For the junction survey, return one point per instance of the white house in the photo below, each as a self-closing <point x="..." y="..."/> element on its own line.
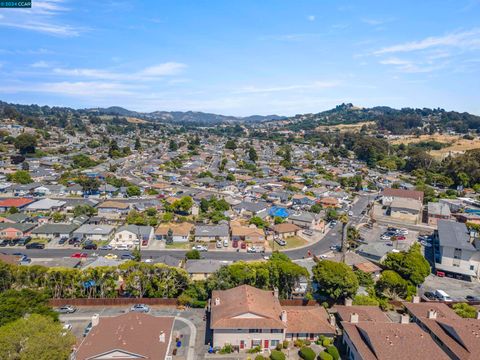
<point x="130" y="236"/>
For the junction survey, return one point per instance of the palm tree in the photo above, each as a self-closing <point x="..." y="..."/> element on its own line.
<point x="344" y="220"/>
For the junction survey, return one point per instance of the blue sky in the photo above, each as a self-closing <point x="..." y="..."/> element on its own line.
<point x="242" y="57"/>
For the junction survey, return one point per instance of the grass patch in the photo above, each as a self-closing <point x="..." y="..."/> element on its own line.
<point x="179" y="245"/>
<point x="292" y="242"/>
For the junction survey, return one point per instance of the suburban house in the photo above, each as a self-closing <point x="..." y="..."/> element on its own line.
<point x="202" y="268"/>
<point x="45" y="205"/>
<point x="307" y="220"/>
<point x="95" y="232"/>
<point x="303" y="200"/>
<point x="15" y="230"/>
<point x="246" y="317"/>
<point x="247" y="233"/>
<point x="390" y="194"/>
<point x="437" y="211"/>
<point x="179" y="232"/>
<point x="113" y="209"/>
<point x="129" y="336"/>
<point x="457" y="252"/>
<point x="54" y="231"/>
<point x="456" y="336"/>
<point x="329" y="202"/>
<point x="130" y="235"/>
<point x="406" y="210"/>
<point x="212" y="232"/>
<point x="250" y="209"/>
<point x="285" y="230"/>
<point x="18" y="203"/>
<point x="369" y="334"/>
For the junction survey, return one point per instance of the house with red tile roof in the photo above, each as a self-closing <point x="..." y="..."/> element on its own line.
<point x="18" y="203"/>
<point x="247" y="317"/>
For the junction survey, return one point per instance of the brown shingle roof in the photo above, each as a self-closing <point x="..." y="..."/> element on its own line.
<point x="132" y="332"/>
<point x="308" y="319"/>
<point x="402" y="193"/>
<point x="182" y="229"/>
<point x="365" y="313"/>
<point x="245" y="299"/>
<point x="285" y="228"/>
<point x="114" y="205"/>
<point x="392" y="341"/>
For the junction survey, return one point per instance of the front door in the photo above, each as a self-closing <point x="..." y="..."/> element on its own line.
<point x="242" y="344"/>
<point x="265" y="344"/>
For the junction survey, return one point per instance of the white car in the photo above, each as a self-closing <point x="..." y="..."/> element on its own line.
<point x="350" y="213"/>
<point x="385" y="237"/>
<point x="121" y="247"/>
<point x="67" y="326"/>
<point x="200" y="248"/>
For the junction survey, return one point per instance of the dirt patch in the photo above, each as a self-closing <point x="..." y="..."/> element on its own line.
<point x="344" y="127"/>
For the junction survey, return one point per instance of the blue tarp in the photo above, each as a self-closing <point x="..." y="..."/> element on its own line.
<point x="278" y="211"/>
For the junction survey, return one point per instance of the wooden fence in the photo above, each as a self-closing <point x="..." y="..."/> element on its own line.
<point x="112" y="302"/>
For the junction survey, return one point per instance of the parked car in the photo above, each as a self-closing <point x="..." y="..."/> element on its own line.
<point x="67" y="309"/>
<point x="243" y="245"/>
<point x="90" y="246"/>
<point x="385" y="237"/>
<point x="24" y="240"/>
<point x="251" y="249"/>
<point x="280" y="242"/>
<point x="4" y="242"/>
<point x="62" y="241"/>
<point x="106" y="247"/>
<point x="127" y="257"/>
<point x="429" y="295"/>
<point x="400" y="237"/>
<point x="333" y="223"/>
<point x="472" y="298"/>
<point x="225" y="243"/>
<point x="350" y="213"/>
<point x="200" y="248"/>
<point x="140" y="308"/>
<point x="87" y="329"/>
<point x="67" y="327"/>
<point x="442" y="295"/>
<point x="144" y="242"/>
<point x="111" y="256"/>
<point x="79" y="255"/>
<point x="35" y="245"/>
<point x="235" y="244"/>
<point x="218" y="244"/>
<point x="308" y="232"/>
<point x="425" y="244"/>
<point x="121" y="247"/>
<point x="74" y="241"/>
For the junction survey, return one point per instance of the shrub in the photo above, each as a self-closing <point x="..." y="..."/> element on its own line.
<point x="333" y="351"/>
<point x="227" y="349"/>
<point x="254" y="350"/>
<point x="279" y="347"/>
<point x="277" y="355"/>
<point x="325" y="356"/>
<point x="259" y="357"/>
<point x="285" y="344"/>
<point x="465" y="310"/>
<point x="307" y="353"/>
<point x="298" y="343"/>
<point x="326" y="342"/>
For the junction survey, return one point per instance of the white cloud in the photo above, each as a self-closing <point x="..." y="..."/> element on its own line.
<point x="311" y="17"/>
<point x="148" y="73"/>
<point x="40" y="64"/>
<point x="466" y="40"/>
<point x="312" y="86"/>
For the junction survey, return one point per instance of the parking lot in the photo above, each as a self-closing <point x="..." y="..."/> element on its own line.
<point x="374" y="234"/>
<point x="457" y="289"/>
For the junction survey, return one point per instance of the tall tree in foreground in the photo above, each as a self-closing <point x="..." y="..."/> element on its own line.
<point x="35" y="337"/>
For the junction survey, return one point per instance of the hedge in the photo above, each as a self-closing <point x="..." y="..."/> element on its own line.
<point x="277" y="355"/>
<point x="307" y="353"/>
<point x="333" y="351"/>
<point x="325" y="356"/>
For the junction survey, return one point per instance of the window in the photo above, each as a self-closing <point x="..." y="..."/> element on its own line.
<point x="472" y="267"/>
<point x="274" y="343"/>
<point x="256" y="343"/>
<point x="254" y="330"/>
<point x="276" y="331"/>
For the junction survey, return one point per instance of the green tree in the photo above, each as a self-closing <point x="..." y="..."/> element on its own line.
<point x="138" y="144"/>
<point x="258" y="222"/>
<point x="336" y="280"/>
<point x="193" y="254"/>
<point x="172" y="145"/>
<point x="411" y="265"/>
<point x="391" y="285"/>
<point x="26" y="143"/>
<point x="324" y="355"/>
<point x="230" y="144"/>
<point x="88" y="184"/>
<point x="133" y="191"/>
<point x="365" y="300"/>
<point x="316" y="208"/>
<point x="230" y="177"/>
<point x="35" y="337"/>
<point x="465" y="311"/>
<point x="84" y="210"/>
<point x="16" y="304"/>
<point x="307" y="353"/>
<point x="20" y="177"/>
<point x="277" y="355"/>
<point x="252" y="154"/>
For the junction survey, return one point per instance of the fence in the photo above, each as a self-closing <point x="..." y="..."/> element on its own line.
<point x="112" y="302"/>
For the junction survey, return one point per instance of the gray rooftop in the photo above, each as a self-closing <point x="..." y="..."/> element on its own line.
<point x="204" y="266"/>
<point x="212" y="230"/>
<point x="454" y="234"/>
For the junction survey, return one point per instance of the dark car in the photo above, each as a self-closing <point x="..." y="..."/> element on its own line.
<point x="62" y="241"/>
<point x="429" y="295"/>
<point x="90" y="246"/>
<point x="35" y="245"/>
<point x="74" y="241"/>
<point x="4" y="242"/>
<point x="127" y="257"/>
<point x="472" y="298"/>
<point x="24" y="240"/>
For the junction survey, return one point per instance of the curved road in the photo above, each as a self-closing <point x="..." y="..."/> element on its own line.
<point x="333" y="237"/>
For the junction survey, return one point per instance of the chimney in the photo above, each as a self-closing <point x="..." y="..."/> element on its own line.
<point x="284" y="316"/>
<point x="416" y="299"/>
<point x="432" y="314"/>
<point x="354" y="318"/>
<point x="332" y="320"/>
<point x="217" y="301"/>
<point x="348" y="302"/>
<point x="161" y="337"/>
<point x="95" y="319"/>
<point x="275" y="292"/>
<point x="404" y="319"/>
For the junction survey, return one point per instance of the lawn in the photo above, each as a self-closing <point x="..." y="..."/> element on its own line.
<point x="292" y="242"/>
<point x="179" y="245"/>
